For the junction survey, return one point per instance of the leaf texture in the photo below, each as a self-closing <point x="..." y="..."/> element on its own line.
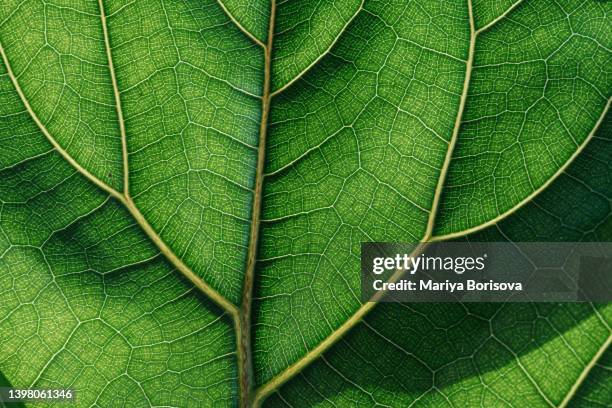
<point x="508" y="355"/>
<point x="184" y="187"/>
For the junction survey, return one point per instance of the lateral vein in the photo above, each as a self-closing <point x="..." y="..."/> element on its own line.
<point x="499" y="18"/>
<point x="455" y="135"/>
<point x="176" y="261"/>
<point x="98" y="182"/>
<point x="584" y="374"/>
<point x="265" y="390"/>
<point x="240" y="26"/>
<point x="323" y="54"/>
<point x="216" y="297"/>
<point x="537" y="191"/>
<point x="111" y="68"/>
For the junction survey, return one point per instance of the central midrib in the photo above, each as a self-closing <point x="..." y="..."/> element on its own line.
<point x="245" y="354"/>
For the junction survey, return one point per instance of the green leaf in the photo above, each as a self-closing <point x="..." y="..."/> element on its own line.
<point x="379" y="118"/>
<point x="184" y="186"/>
<point x="498" y="355"/>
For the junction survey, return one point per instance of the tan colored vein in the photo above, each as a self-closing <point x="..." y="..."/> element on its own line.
<point x="584" y="374"/>
<point x="499" y="18"/>
<point x="537" y="191"/>
<point x="95" y="180"/>
<point x="176" y="261"/>
<point x="241" y="329"/>
<point x="240" y="26"/>
<point x="216" y="297"/>
<point x="455" y="135"/>
<point x="111" y="68"/>
<point x="265" y="390"/>
<point x="321" y="55"/>
<point x="245" y="349"/>
<point x="275" y="383"/>
<point x="126" y="200"/>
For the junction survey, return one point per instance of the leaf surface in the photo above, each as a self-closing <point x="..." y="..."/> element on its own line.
<point x="158" y="158"/>
<point x="381" y="119"/>
<point x="499" y="355"/>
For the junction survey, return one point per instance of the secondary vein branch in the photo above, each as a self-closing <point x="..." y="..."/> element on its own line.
<point x="86" y="173"/>
<point x="584" y="374"/>
<point x="455" y="135"/>
<point x="240" y="26"/>
<point x="215" y="296"/>
<point x="303" y="72"/>
<point x="111" y="68"/>
<point x="265" y="390"/>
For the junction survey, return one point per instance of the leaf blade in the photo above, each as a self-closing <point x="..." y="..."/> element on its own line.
<point x="470" y="354"/>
